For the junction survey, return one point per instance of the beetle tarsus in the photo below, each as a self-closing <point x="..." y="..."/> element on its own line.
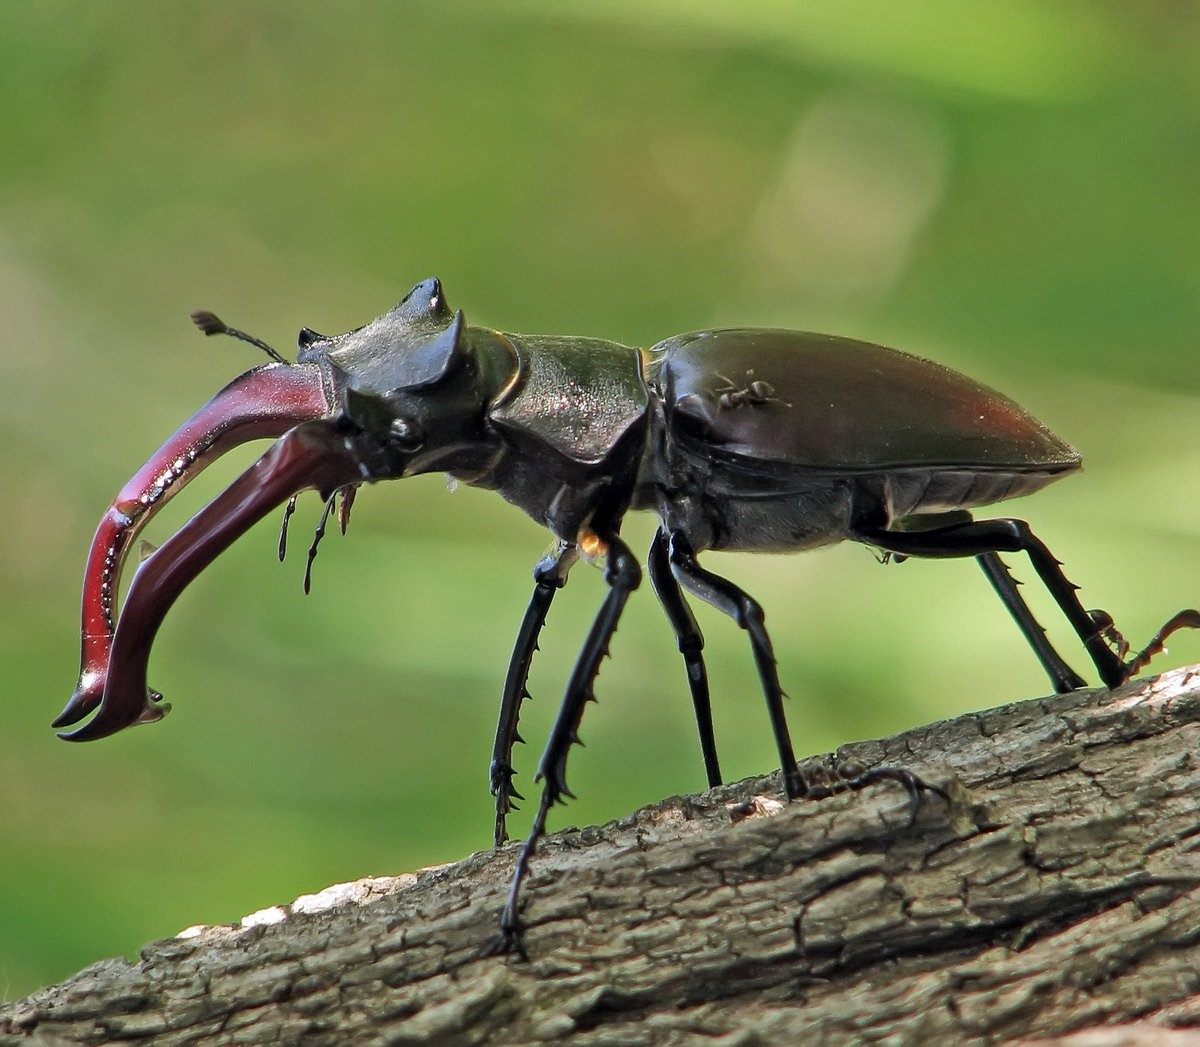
<point x="913" y="784"/>
<point x="512" y="928"/>
<point x="1186" y="619"/>
<point x="828" y="779"/>
<point x="509" y="942"/>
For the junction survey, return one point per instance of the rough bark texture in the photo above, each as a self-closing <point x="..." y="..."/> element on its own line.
<point x="1058" y="896"/>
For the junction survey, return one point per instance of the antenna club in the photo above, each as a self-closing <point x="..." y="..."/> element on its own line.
<point x="208" y="322"/>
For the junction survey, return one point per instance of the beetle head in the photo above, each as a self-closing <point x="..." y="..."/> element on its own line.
<point x="418" y="380"/>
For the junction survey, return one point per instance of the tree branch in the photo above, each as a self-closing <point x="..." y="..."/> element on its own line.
<point x="1059" y="892"/>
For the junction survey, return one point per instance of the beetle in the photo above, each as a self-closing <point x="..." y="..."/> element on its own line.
<point x="742" y="439"/>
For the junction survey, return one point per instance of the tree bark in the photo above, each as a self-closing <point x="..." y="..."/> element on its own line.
<point x="1056" y="897"/>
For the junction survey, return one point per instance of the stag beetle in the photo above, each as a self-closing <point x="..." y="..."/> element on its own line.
<point x="759" y="440"/>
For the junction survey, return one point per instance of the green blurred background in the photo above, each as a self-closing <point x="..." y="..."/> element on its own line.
<point x="1015" y="195"/>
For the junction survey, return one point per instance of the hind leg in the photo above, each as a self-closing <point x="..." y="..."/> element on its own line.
<point x="979" y="538"/>
<point x="1062" y="677"/>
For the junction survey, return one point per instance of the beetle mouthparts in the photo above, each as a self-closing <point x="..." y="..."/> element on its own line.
<point x="263" y="403"/>
<point x="314" y="454"/>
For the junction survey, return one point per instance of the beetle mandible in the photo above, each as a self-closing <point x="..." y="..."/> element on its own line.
<point x="742" y="439"/>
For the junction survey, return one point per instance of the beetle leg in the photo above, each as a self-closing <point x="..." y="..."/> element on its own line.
<point x="691" y="646"/>
<point x="1189" y="619"/>
<point x="550" y="575"/>
<point x="1108" y="629"/>
<point x="1013" y="536"/>
<point x="1062" y="677"/>
<point x="623" y="575"/>
<point x="743" y="609"/>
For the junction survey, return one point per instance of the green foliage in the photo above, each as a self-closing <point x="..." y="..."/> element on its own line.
<point x="1013" y="194"/>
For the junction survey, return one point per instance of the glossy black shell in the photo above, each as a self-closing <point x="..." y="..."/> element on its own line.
<point x="840" y="404"/>
<point x="579" y="396"/>
<point x="742" y="438"/>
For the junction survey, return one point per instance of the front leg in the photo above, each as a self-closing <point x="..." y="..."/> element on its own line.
<point x="550" y="575"/>
<point x="623" y="575"/>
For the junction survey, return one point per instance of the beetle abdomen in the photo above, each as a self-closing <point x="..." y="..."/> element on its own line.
<point x="819" y="401"/>
<point x="784" y="510"/>
<point x="905" y="492"/>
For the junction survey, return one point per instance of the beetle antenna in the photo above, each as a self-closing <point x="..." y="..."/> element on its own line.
<point x="317" y="536"/>
<point x="283" y="527"/>
<point x="212" y="324"/>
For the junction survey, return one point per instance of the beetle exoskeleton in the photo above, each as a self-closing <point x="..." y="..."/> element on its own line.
<point x="760" y="440"/>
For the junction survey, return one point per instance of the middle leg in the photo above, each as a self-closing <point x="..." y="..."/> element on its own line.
<point x="745" y="610"/>
<point x="1062" y="677"/>
<point x="691" y="646"/>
